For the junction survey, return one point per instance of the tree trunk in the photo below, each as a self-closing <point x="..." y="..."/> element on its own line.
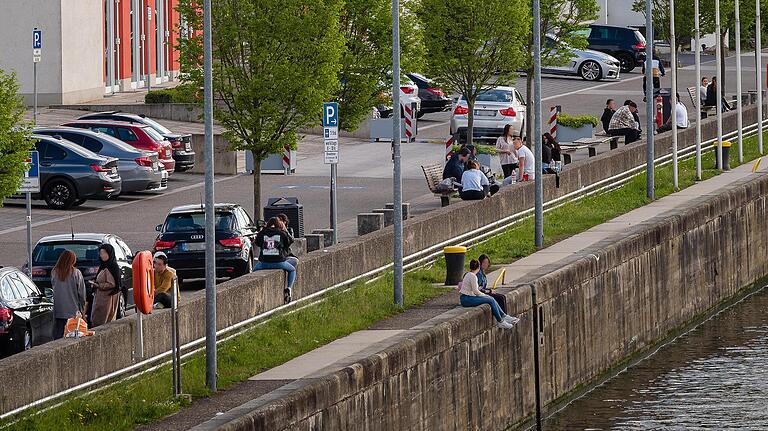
<point x="528" y="105"/>
<point x="257" y="208"/>
<point x="470" y="119"/>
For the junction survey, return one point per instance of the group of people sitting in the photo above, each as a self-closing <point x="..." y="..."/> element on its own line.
<point x="474" y="292"/>
<point x="475" y="181"/>
<point x="708" y="94"/>
<point x="625" y="120"/>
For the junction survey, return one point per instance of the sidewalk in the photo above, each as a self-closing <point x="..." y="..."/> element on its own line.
<point x="272" y="384"/>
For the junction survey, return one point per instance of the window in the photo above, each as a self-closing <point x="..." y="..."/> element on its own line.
<point x="92" y="144"/>
<point x="119" y="253"/>
<point x="242" y="219"/>
<point x="54" y="152"/>
<point x="153" y="134"/>
<point x="124" y="247"/>
<point x="7" y="290"/>
<point x="103" y="129"/>
<point x="25" y="286"/>
<point x="126" y="134"/>
<point x="40" y="146"/>
<point x="72" y="137"/>
<point x="495" y="95"/>
<point x="46" y="254"/>
<point x="182" y="222"/>
<point x="520" y="97"/>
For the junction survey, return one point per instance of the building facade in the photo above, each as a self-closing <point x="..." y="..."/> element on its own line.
<point x="89" y="47"/>
<point x="619" y="12"/>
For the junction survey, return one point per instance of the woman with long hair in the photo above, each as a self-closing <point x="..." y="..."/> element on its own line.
<point x="506" y="151"/>
<point x="107" y="287"/>
<point x="471" y="296"/>
<point x="68" y="291"/>
<point x="274" y="247"/>
<point x="474" y="183"/>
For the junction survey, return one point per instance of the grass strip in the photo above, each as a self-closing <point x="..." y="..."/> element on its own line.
<point x="286" y="336"/>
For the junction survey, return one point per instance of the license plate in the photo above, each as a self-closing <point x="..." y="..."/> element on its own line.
<point x="192" y="246"/>
<point x="484" y="113"/>
<point x="188" y="146"/>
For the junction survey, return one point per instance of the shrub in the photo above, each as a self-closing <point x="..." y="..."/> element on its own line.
<point x="481" y="149"/>
<point x="575" y="122"/>
<point x="158" y="96"/>
<point x="184" y="93"/>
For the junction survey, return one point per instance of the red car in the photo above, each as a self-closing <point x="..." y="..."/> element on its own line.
<point x="136" y="135"/>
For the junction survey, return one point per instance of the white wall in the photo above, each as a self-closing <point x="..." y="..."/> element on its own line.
<point x="619" y="12"/>
<point x="82" y="66"/>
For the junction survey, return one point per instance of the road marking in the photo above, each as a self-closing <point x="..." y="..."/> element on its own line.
<point x="117" y="205"/>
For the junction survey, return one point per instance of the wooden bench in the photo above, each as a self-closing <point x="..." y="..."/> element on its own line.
<point x="589" y="143"/>
<point x="694" y="93"/>
<point x="434" y="175"/>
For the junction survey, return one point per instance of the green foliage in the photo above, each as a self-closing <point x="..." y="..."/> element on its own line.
<point x="158" y="96"/>
<point x="366" y="63"/>
<point x="189" y="44"/>
<point x="184" y="93"/>
<point x="577" y="121"/>
<point x="481" y="149"/>
<point x="15" y="134"/>
<point x="473" y="45"/>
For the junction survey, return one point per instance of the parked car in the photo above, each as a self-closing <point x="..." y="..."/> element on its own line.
<point x="409" y="93"/>
<point x="26" y="313"/>
<point x="588" y="64"/>
<point x="139" y="170"/>
<point x="181" y="143"/>
<point x="182" y="238"/>
<point x="494" y="109"/>
<point x="71" y="174"/>
<point x="433" y="99"/>
<point x="136" y="135"/>
<point x="86" y="248"/>
<point x="625" y="44"/>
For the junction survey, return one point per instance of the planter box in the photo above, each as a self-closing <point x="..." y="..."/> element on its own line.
<point x="568" y="134"/>
<point x="484" y="159"/>
<point x="273" y="164"/>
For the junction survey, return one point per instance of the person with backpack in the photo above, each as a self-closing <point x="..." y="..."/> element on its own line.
<point x="471" y="296"/>
<point x="68" y="291"/>
<point x="291" y="258"/>
<point x="274" y="243"/>
<point x="107" y="287"/>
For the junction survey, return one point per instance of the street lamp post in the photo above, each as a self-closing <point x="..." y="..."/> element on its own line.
<point x="739" y="113"/>
<point x="759" y="76"/>
<point x="649" y="181"/>
<point x="538" y="183"/>
<point x="397" y="185"/>
<point x="673" y="55"/>
<point x="719" y="87"/>
<point x="697" y="56"/>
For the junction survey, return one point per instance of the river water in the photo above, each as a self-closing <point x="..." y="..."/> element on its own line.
<point x="715" y="377"/>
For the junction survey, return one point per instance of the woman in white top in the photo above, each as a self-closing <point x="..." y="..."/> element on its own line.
<point x="474" y="183"/>
<point x="471" y="296"/>
<point x="506" y="152"/>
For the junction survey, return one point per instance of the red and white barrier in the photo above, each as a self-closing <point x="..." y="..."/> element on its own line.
<point x="410" y="122"/>
<point x="289" y="160"/>
<point x="552" y="125"/>
<point x="449" y="147"/>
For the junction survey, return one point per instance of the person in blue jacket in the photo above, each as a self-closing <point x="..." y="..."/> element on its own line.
<point x="456" y="164"/>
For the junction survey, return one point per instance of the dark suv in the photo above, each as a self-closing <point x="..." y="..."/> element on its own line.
<point x="182" y="239"/>
<point x="26" y="314"/>
<point x="181" y="143"/>
<point x="624" y="43"/>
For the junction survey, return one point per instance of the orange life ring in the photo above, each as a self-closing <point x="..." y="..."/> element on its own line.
<point x="143" y="282"/>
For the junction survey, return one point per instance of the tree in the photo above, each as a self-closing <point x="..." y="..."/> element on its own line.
<point x="366" y="64"/>
<point x="275" y="63"/>
<point x="15" y="138"/>
<point x="561" y="19"/>
<point x="468" y="43"/>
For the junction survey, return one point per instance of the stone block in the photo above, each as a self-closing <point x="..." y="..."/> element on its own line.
<point x="314" y="241"/>
<point x="327" y="236"/>
<point x="369" y="222"/>
<point x="406" y="209"/>
<point x="389" y="215"/>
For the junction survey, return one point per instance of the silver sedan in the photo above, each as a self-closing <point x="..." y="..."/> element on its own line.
<point x="586" y="63"/>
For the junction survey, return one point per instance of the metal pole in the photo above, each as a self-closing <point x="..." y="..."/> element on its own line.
<point x="649" y="106"/>
<point x="29" y="234"/>
<point x="397" y="181"/>
<point x="210" y="228"/>
<point x="538" y="184"/>
<point x="147" y="46"/>
<point x="334" y="217"/>
<point x="111" y="45"/>
<point x="139" y="335"/>
<point x="34" y="86"/>
<point x="175" y="338"/>
<point x="719" y="88"/>
<point x="759" y="76"/>
<point x="536" y="357"/>
<point x="739" y="109"/>
<point x="673" y="55"/>
<point x="697" y="56"/>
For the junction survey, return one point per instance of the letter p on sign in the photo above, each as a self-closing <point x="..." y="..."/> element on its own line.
<point x="330" y="114"/>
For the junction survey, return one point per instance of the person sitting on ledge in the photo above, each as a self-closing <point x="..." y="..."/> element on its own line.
<point x="482" y="282"/>
<point x="474" y="183"/>
<point x="471" y="296"/>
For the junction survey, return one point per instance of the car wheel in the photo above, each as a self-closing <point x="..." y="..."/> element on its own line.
<point x="627" y="62"/>
<point x="78" y="202"/>
<point x="590" y="71"/>
<point x="59" y="194"/>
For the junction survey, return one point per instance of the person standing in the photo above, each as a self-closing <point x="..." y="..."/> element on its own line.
<point x="68" y="291"/>
<point x="471" y="296"/>
<point x="274" y="246"/>
<point x="107" y="285"/>
<point x="506" y="151"/>
<point x="527" y="171"/>
<point x="658" y="71"/>
<point x="164" y="276"/>
<point x="610" y="109"/>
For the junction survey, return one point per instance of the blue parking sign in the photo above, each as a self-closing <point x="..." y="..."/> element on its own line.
<point x="37" y="39"/>
<point x="330" y="114"/>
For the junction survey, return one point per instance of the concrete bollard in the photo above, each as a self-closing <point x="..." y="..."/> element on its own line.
<point x="299" y="247"/>
<point x="406" y="209"/>
<point x="327" y="236"/>
<point x="369" y="222"/>
<point x="389" y="215"/>
<point x="314" y="241"/>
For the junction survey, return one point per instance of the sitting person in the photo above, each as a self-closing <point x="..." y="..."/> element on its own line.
<point x="681" y="118"/>
<point x="291" y="258"/>
<point x="610" y="109"/>
<point x="712" y="96"/>
<point x="471" y="296"/>
<point x="164" y="276"/>
<point x="550" y="153"/>
<point x="275" y="245"/>
<point x="623" y="123"/>
<point x="482" y="282"/>
<point x="454" y="168"/>
<point x="474" y="183"/>
<point x="527" y="170"/>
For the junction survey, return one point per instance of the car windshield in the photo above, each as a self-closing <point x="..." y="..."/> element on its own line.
<point x="155" y="125"/>
<point x="46" y="254"/>
<point x="187" y="222"/>
<point x="496" y="95"/>
<point x="153" y="134"/>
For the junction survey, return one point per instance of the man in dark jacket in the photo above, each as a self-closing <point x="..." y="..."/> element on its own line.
<point x="455" y="166"/>
<point x="610" y="109"/>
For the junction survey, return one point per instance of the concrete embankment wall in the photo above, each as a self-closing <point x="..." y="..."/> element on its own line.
<point x="610" y="302"/>
<point x="112" y="347"/>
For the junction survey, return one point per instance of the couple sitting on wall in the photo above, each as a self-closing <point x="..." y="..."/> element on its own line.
<point x="475" y="292"/>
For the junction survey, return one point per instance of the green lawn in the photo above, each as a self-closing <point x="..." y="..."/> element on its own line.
<point x="285" y="336"/>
